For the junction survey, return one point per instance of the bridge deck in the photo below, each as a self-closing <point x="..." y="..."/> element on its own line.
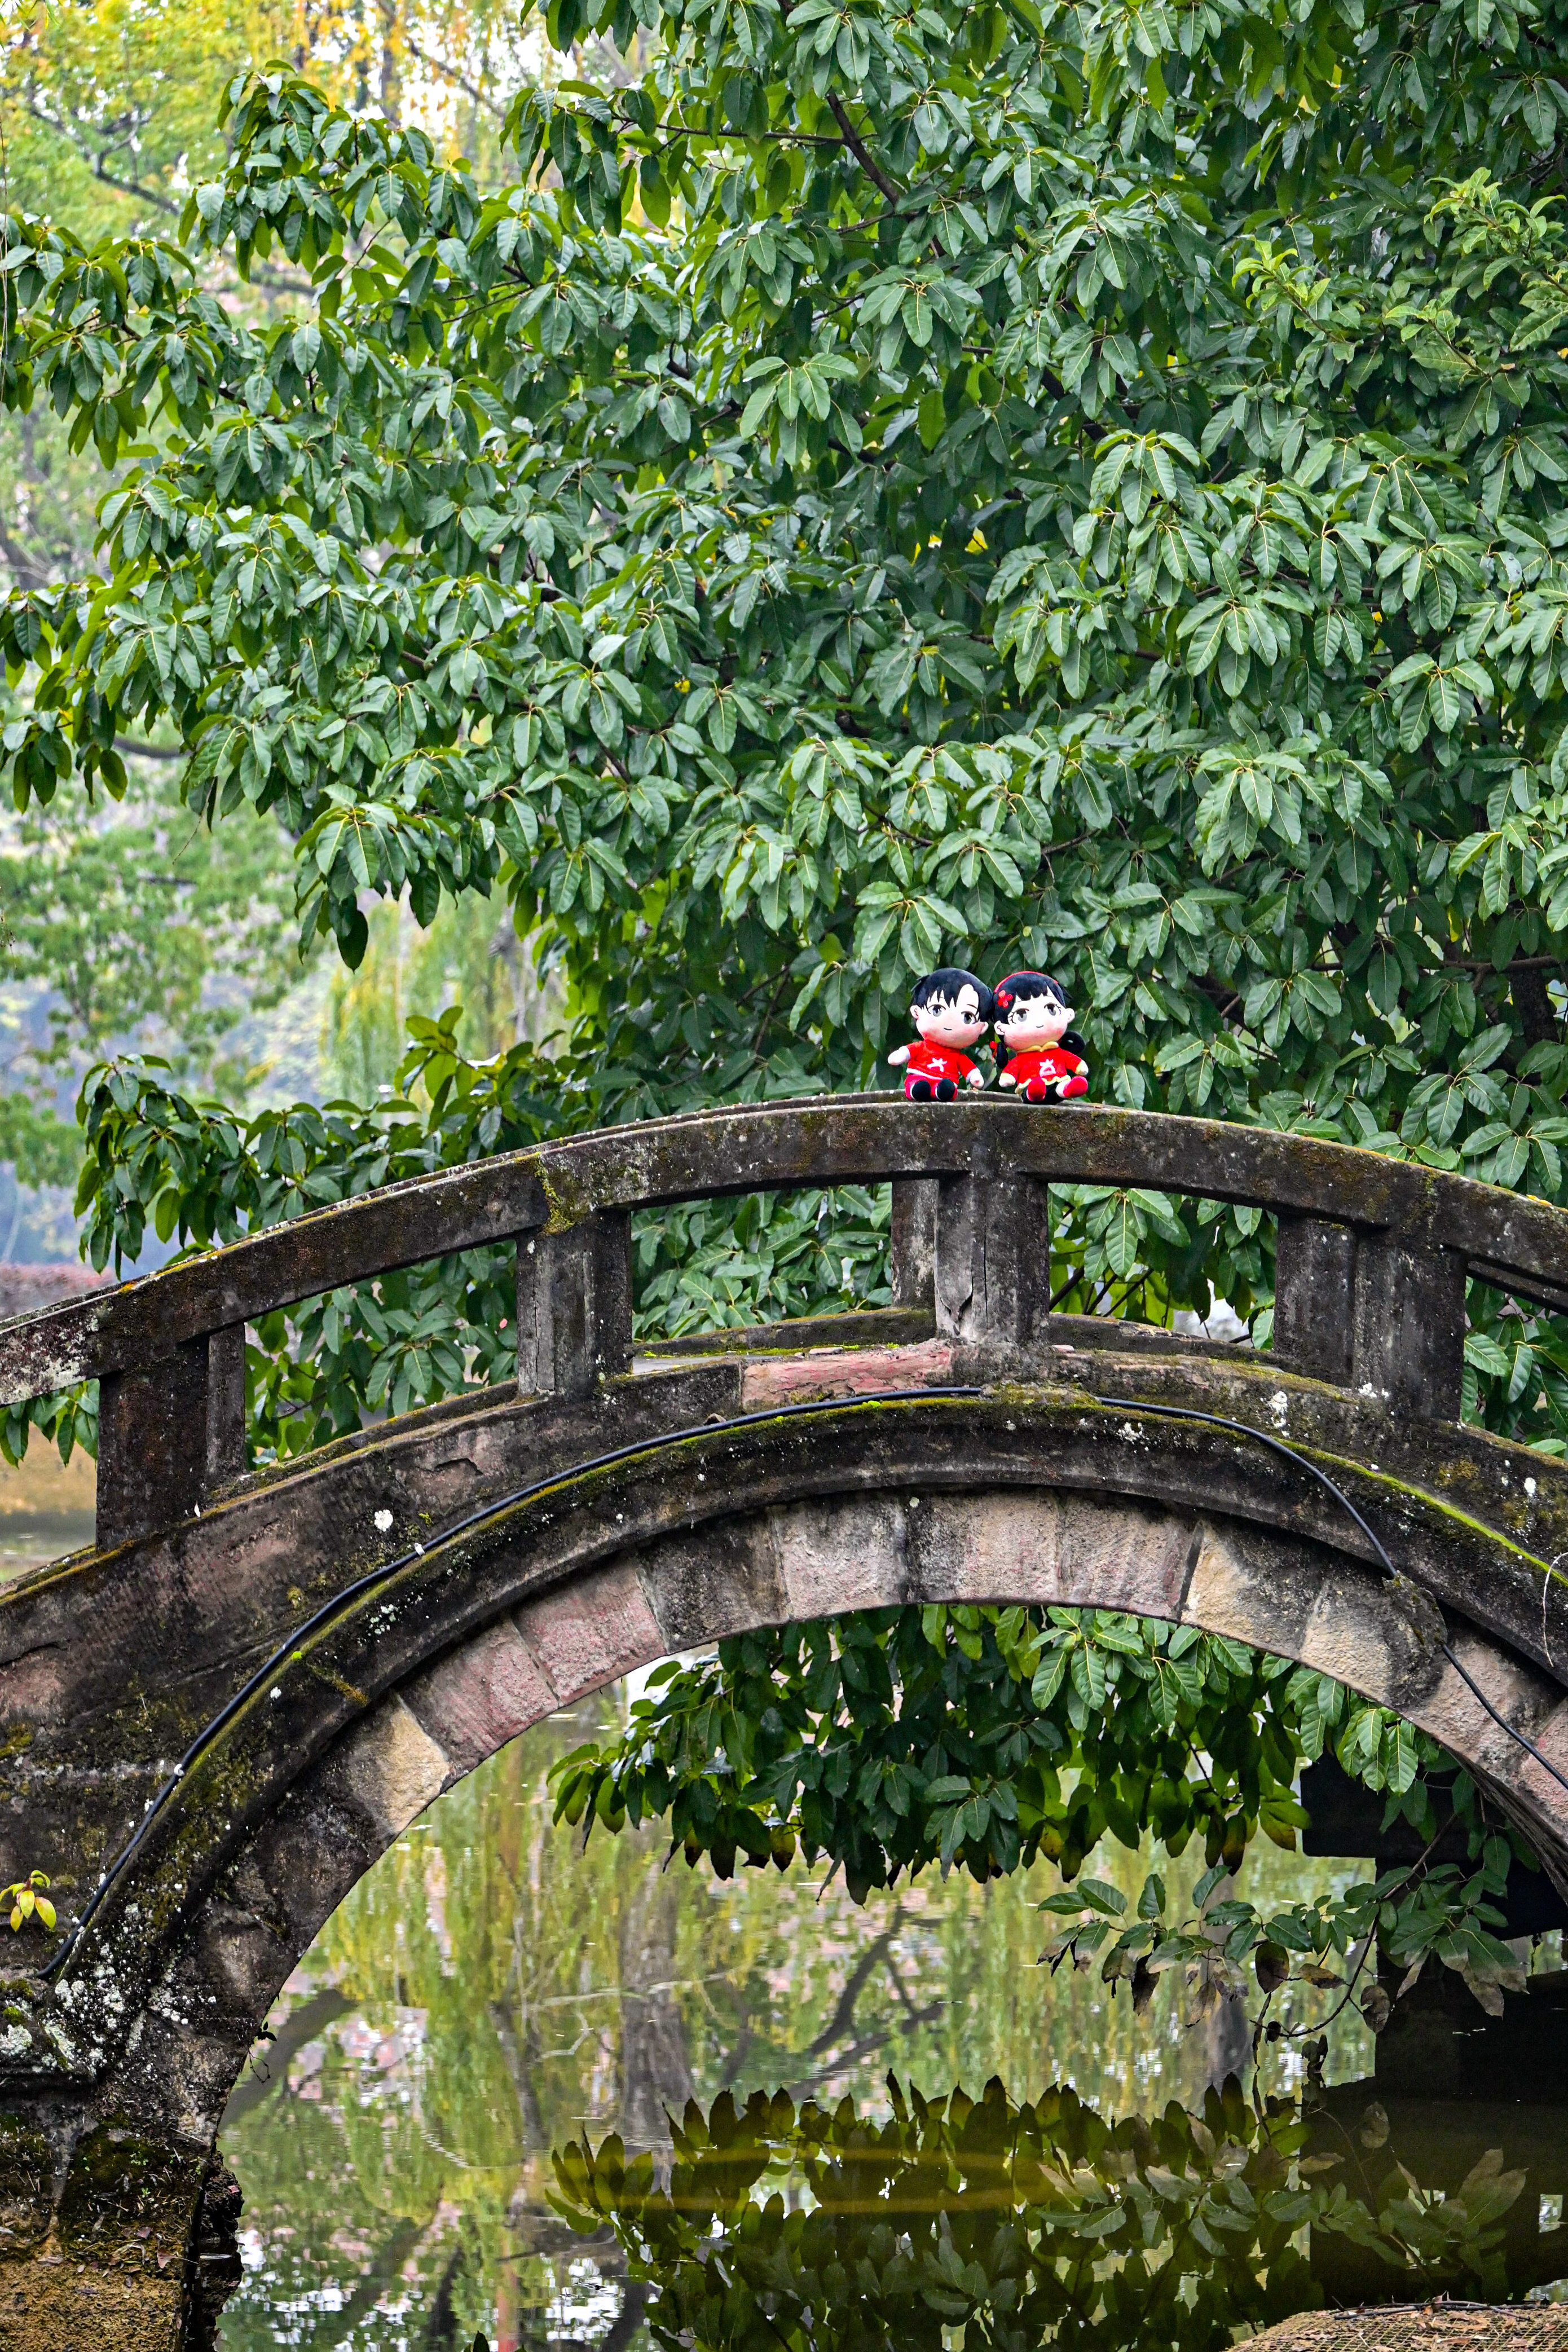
<point x="1372" y="1259"/>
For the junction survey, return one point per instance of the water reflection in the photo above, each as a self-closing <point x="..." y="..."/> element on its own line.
<point x="1036" y="2222"/>
<point x="492" y="1997"/>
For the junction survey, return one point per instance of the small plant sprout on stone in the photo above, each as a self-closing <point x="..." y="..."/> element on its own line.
<point x="28" y="1901"/>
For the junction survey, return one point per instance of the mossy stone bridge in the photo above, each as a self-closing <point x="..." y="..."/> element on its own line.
<point x="430" y="1586"/>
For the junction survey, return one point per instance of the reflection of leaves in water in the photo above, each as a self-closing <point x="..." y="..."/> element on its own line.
<point x="493" y="2016"/>
<point x="1020" y="2223"/>
<point x="1410" y="2228"/>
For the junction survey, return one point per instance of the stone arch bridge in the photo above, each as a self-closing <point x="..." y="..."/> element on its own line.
<point x="427" y="1588"/>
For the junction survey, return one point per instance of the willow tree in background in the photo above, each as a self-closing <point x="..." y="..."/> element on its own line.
<point x="136" y="929"/>
<point x="1074" y="485"/>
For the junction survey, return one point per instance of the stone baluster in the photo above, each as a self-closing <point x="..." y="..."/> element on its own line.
<point x="574" y="1305"/>
<point x="993" y="1259"/>
<point x="1381" y="1313"/>
<point x="171" y="1436"/>
<point x="912" y="1246"/>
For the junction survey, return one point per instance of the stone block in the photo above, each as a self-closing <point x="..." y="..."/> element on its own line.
<point x="586" y="1632"/>
<point x="390" y="1768"/>
<point x="719" y="1580"/>
<point x="996" y="1547"/>
<point x="798" y="1379"/>
<point x="475" y="1699"/>
<point x="1126" y="1555"/>
<point x="844" y="1554"/>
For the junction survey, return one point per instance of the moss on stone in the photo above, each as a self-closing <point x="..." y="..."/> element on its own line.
<point x="127" y="2194"/>
<point x="26" y="2186"/>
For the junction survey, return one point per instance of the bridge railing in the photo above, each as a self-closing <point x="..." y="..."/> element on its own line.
<point x="1372" y="1257"/>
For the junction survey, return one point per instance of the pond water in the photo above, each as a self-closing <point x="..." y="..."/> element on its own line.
<point x="577" y="2098"/>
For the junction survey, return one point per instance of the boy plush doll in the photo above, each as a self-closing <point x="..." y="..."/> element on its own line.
<point x="950" y="1009"/>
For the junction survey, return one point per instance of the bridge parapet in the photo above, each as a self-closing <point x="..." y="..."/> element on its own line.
<point x="1373" y="1258"/>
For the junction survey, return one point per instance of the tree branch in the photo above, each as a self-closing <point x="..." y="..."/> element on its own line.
<point x="852" y="138"/>
<point x="146" y="750"/>
<point x="439" y="65"/>
<point x="857" y="147"/>
<point x="95" y="163"/>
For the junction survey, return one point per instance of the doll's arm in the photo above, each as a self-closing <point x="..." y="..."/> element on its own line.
<point x="900" y="1055"/>
<point x="1007" y="1079"/>
<point x="976" y="1077"/>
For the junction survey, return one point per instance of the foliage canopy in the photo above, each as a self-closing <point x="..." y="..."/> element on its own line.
<point x="1074" y="484"/>
<point x="983" y="1739"/>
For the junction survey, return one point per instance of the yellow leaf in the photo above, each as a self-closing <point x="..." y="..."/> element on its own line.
<point x="46" y="1913"/>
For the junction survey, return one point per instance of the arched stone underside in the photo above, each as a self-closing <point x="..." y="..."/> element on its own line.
<point x="673" y="1507"/>
<point x="1022" y="1494"/>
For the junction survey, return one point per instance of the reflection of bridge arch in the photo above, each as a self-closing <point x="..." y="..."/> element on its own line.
<point x="966" y="1443"/>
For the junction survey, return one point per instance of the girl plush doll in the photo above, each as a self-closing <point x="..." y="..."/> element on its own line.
<point x="1037" y="1050"/>
<point x="950" y="1008"/>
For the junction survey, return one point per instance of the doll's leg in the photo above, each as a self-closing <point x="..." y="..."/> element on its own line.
<point x="945" y="1089"/>
<point x="1038" y="1090"/>
<point x="917" y="1090"/>
<point x="1071" y="1088"/>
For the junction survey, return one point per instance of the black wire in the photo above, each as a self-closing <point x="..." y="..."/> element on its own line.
<point x="1261" y="1437"/>
<point x="388" y="1569"/>
<point x="351" y="1592"/>
<point x="1277" y="1445"/>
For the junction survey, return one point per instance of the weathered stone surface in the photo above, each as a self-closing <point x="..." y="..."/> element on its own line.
<point x="798" y="1380"/>
<point x="26" y="2188"/>
<point x="1314" y="1297"/>
<point x="1408" y="1323"/>
<point x="390" y="1768"/>
<point x="51" y="2303"/>
<point x="835" y="1556"/>
<point x="992" y="1275"/>
<point x="574" y="1305"/>
<point x="137" y="2222"/>
<point x="476" y="1698"/>
<point x="152" y="1447"/>
<point x="1514" y="1241"/>
<point x="587" y="1633"/>
<point x="720" y="1580"/>
<point x="870" y="1327"/>
<point x="912" y="1243"/>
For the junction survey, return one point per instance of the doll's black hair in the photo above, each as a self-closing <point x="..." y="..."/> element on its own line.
<point x="946" y="984"/>
<point x="1026" y="988"/>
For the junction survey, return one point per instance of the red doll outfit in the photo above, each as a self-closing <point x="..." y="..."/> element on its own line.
<point x="933" y="1063"/>
<point x="1048" y="1074"/>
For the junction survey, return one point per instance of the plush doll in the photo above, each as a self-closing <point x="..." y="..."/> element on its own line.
<point x="1037" y="1050"/>
<point x="950" y="1008"/>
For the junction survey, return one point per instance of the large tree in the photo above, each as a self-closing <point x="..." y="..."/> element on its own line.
<point x="1076" y="487"/>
